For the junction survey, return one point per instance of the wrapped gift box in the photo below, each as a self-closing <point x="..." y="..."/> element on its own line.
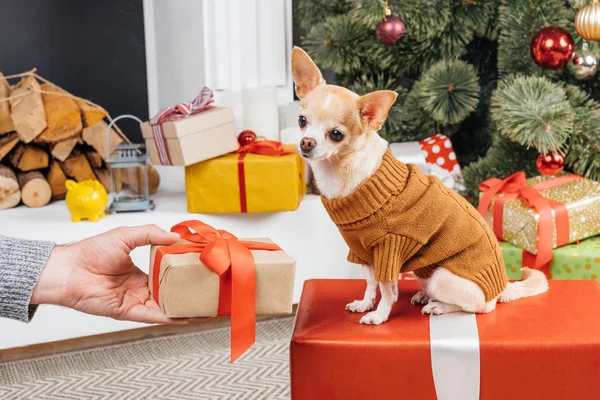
<point x="542" y="347"/>
<point x="246" y="183"/>
<point x="192" y="139"/>
<point x="433" y="156"/>
<point x="189" y="289"/>
<point x="575" y="199"/>
<point x="211" y="273"/>
<point x="574" y="261"/>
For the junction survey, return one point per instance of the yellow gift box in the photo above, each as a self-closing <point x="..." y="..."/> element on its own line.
<point x="246" y="182"/>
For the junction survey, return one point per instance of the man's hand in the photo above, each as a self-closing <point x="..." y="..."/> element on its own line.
<point x="97" y="276"/>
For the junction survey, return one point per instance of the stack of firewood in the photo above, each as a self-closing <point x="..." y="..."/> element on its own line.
<point x="47" y="136"/>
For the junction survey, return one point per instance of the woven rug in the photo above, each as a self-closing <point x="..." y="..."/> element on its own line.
<point x="190" y="366"/>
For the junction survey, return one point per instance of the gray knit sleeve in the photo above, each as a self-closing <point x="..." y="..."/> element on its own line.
<point x="21" y="262"/>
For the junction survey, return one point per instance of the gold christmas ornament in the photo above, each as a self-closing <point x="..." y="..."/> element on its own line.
<point x="587" y="22"/>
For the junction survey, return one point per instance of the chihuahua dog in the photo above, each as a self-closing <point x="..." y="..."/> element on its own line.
<point x="393" y="218"/>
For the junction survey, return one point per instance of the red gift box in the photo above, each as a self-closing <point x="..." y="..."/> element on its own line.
<point x="542" y="347"/>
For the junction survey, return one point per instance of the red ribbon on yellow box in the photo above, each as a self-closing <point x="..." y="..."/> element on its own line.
<point x="231" y="259"/>
<point x="264" y="147"/>
<point x="516" y="187"/>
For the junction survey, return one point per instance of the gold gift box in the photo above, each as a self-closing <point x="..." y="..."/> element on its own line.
<point x="189" y="289"/>
<point x="581" y="198"/>
<point x="272" y="183"/>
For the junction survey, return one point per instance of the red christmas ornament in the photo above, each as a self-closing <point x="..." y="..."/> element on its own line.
<point x="246" y="137"/>
<point x="552" y="47"/>
<point x="390" y="30"/>
<point x="550" y="164"/>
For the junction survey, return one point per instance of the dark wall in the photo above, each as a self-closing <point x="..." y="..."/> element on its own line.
<point x="92" y="48"/>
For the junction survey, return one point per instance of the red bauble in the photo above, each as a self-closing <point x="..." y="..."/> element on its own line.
<point x="552" y="47"/>
<point x="246" y="137"/>
<point x="550" y="164"/>
<point x="390" y="30"/>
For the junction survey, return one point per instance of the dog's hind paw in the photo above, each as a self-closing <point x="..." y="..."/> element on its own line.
<point x="420" y="298"/>
<point x="373" y="318"/>
<point x="439" y="308"/>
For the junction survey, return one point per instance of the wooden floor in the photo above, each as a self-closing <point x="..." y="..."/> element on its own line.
<point x="88" y="342"/>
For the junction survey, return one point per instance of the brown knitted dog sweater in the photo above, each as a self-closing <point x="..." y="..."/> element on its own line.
<point x="401" y="220"/>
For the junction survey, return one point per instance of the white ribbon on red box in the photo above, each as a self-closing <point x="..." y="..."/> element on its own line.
<point x="455" y="358"/>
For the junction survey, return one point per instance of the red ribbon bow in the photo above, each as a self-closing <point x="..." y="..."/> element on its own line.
<point x="203" y="102"/>
<point x="264" y="147"/>
<point x="231" y="259"/>
<point x="516" y="187"/>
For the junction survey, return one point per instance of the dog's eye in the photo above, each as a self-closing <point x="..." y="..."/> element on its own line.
<point x="336" y="135"/>
<point x="302" y="121"/>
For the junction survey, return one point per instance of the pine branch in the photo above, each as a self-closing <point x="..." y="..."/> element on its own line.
<point x="533" y="112"/>
<point x="340" y="44"/>
<point x="504" y="158"/>
<point x="417" y="122"/>
<point x="369" y="12"/>
<point x="450" y="91"/>
<point x="583" y="153"/>
<point x="308" y="13"/>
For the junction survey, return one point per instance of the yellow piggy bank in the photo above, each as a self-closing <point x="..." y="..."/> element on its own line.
<point x="86" y="200"/>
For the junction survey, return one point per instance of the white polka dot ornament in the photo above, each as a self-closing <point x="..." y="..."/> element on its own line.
<point x="434" y="156"/>
<point x="439" y="151"/>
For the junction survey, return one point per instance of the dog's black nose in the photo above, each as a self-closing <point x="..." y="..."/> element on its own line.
<point x="307" y="144"/>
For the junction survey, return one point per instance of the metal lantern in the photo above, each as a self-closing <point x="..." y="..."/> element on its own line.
<point x="128" y="167"/>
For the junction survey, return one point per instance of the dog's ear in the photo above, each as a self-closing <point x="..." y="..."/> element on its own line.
<point x="305" y="72"/>
<point x="374" y="107"/>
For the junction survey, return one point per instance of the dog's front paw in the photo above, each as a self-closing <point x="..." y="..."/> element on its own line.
<point x="373" y="318"/>
<point x="420" y="298"/>
<point x="360" y="306"/>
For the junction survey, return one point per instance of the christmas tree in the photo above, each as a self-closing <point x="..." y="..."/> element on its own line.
<point x="479" y="71"/>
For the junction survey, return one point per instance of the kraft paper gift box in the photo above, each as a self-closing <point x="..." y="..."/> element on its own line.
<point x="575" y="261"/>
<point x="542" y="347"/>
<point x="433" y="156"/>
<point x="541" y="213"/>
<point x="186" y="140"/>
<point x="211" y="273"/>
<point x="246" y="182"/>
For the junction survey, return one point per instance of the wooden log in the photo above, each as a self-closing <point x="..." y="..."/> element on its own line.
<point x="27" y="109"/>
<point x="29" y="158"/>
<point x="6" y="124"/>
<point x="7" y="143"/>
<point x="35" y="189"/>
<point x="62" y="115"/>
<point x="10" y="191"/>
<point x="104" y="178"/>
<point x="94" y="158"/>
<point x="153" y="179"/>
<point x="57" y="178"/>
<point x="62" y="150"/>
<point x="95" y="136"/>
<point x="91" y="115"/>
<point x="77" y="167"/>
<point x="134" y="179"/>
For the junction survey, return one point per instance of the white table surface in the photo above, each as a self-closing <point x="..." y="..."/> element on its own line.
<point x="307" y="234"/>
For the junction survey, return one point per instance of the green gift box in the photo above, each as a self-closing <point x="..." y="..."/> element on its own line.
<point x="572" y="262"/>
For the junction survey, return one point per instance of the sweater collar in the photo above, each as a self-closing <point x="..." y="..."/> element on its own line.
<point x="389" y="180"/>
